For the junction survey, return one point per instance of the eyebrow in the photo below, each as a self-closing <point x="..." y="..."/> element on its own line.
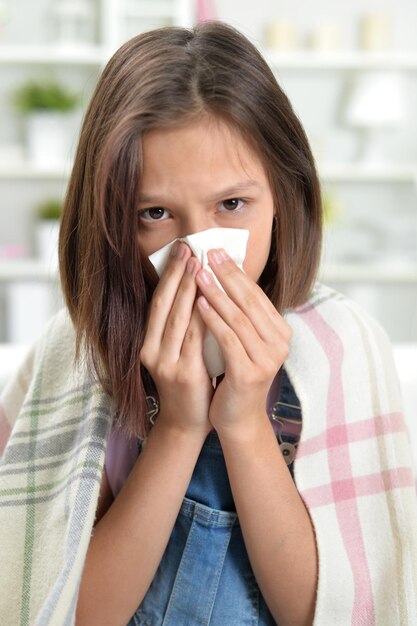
<point x="228" y="192"/>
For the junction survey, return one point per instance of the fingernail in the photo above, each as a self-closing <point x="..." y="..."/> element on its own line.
<point x="205" y="276"/>
<point x="217" y="258"/>
<point x="178" y="249"/>
<point x="182" y="248"/>
<point x="191" y="266"/>
<point x="203" y="302"/>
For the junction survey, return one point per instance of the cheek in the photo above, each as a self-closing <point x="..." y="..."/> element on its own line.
<point x="143" y="247"/>
<point x="150" y="243"/>
<point x="256" y="255"/>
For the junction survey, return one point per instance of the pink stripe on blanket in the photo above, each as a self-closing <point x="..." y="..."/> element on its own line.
<point x="339" y="463"/>
<point x="344" y="434"/>
<point x="359" y="486"/>
<point x="5" y="430"/>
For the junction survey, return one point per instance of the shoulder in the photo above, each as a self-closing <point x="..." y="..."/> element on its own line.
<point x="332" y="333"/>
<point x="59" y="329"/>
<point x="58" y="335"/>
<point x="328" y="302"/>
<point x="55" y="353"/>
<point x="330" y="315"/>
<point x="48" y="363"/>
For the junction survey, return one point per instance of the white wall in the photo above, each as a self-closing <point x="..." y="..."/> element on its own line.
<point x="317" y="97"/>
<point x="382" y="215"/>
<point x="251" y="17"/>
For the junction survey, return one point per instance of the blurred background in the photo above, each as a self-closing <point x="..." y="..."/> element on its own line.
<point x="350" y="71"/>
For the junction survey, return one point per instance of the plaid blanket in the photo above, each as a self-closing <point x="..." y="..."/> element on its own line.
<point x="353" y="470"/>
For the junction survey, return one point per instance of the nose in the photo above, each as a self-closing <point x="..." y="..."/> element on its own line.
<point x="194" y="223"/>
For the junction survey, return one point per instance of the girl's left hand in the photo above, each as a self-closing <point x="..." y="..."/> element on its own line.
<point x="254" y="339"/>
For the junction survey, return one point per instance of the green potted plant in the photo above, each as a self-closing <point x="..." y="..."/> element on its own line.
<point x="44" y="96"/>
<point x="48" y="213"/>
<point x="48" y="108"/>
<point x="50" y="209"/>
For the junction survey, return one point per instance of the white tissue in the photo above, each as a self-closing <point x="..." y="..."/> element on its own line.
<point x="234" y="241"/>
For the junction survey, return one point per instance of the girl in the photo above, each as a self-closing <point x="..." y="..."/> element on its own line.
<point x="135" y="489"/>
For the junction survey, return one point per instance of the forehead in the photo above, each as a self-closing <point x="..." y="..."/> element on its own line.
<point x="208" y="144"/>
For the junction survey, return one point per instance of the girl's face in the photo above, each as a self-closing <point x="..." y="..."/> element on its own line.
<point x="204" y="175"/>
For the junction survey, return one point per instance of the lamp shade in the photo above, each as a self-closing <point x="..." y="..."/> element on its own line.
<point x="377" y="99"/>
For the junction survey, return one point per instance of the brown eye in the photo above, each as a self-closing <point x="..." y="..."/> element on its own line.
<point x="233" y="204"/>
<point x="154" y="214"/>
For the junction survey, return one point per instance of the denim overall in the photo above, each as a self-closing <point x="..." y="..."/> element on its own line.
<point x="205" y="577"/>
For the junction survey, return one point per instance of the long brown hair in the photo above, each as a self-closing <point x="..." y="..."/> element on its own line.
<point x="160" y="79"/>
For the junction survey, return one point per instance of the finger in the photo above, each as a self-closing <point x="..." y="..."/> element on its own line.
<point x="178" y="319"/>
<point x="244" y="292"/>
<point x="232" y="347"/>
<point x="192" y="347"/>
<point x="164" y="296"/>
<point x="243" y="348"/>
<point x="248" y="296"/>
<point x="232" y="327"/>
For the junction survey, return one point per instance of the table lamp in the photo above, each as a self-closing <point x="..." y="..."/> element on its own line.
<point x="375" y="105"/>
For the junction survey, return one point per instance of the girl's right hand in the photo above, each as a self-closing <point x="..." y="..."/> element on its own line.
<point x="172" y="350"/>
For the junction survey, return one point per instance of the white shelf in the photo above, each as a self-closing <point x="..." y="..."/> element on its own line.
<point x="27" y="171"/>
<point x="341" y="60"/>
<point x="53" y="55"/>
<point x="375" y="273"/>
<point x="357" y="172"/>
<point x="26" y="269"/>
